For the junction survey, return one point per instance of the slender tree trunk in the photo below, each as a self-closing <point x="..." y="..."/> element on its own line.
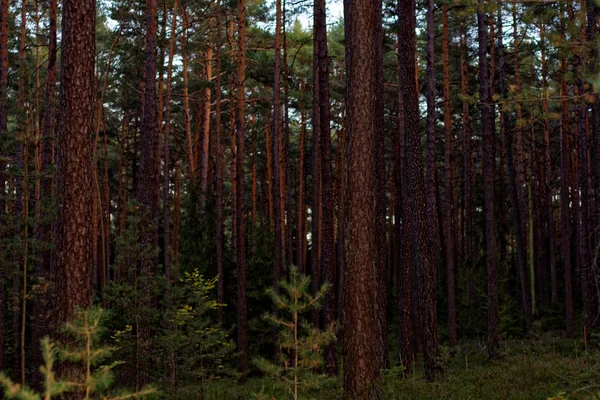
<point x="431" y="153"/>
<point x="403" y="243"/>
<point x="380" y="189"/>
<point x="488" y="183"/>
<point x="467" y="173"/>
<point x="18" y="163"/>
<point x="593" y="16"/>
<point x="219" y="170"/>
<point x="327" y="240"/>
<point x="301" y="227"/>
<point x="286" y="150"/>
<point x="565" y="190"/>
<point x="4" y="15"/>
<point x="316" y="194"/>
<point x="42" y="308"/>
<point x="340" y="224"/>
<point x="240" y="124"/>
<point x="147" y="186"/>
<point x="361" y="363"/>
<point x="232" y="133"/>
<point x="548" y="171"/>
<point x="278" y="256"/>
<point x="166" y="141"/>
<point x="186" y="98"/>
<point x="269" y="150"/>
<point x="425" y="254"/>
<point x="176" y="218"/>
<point x="448" y="235"/>
<point x="206" y="133"/>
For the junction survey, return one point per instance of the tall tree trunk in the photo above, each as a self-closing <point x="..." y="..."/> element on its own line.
<point x="431" y="153"/>
<point x="278" y="256"/>
<point x="593" y="16"/>
<point x="206" y="133"/>
<point x="404" y="264"/>
<point x="380" y="189"/>
<point x="361" y="363"/>
<point x="548" y="172"/>
<point x="286" y="150"/>
<point x="327" y="240"/>
<point x="301" y="227"/>
<point x="488" y="183"/>
<point x="186" y="98"/>
<point x="240" y="124"/>
<point x="565" y="185"/>
<point x="316" y="194"/>
<point x="219" y="170"/>
<point x="166" y="140"/>
<point x="448" y="234"/>
<point x="4" y="15"/>
<point x="232" y="133"/>
<point x="18" y="163"/>
<point x="43" y="308"/>
<point x="73" y="255"/>
<point x="425" y="254"/>
<point x="467" y="174"/>
<point x="147" y="186"/>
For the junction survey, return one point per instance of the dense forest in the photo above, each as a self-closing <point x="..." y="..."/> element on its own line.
<point x="266" y="199"/>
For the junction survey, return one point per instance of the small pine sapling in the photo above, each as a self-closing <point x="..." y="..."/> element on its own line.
<point x="83" y="360"/>
<point x="301" y="345"/>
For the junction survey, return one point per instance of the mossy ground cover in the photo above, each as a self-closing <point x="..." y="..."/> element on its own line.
<point x="529" y="369"/>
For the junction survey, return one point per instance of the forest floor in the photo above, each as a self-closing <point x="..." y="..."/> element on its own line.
<point x="533" y="369"/>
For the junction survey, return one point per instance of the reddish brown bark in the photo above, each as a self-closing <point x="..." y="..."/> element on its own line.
<point x="361" y="364"/>
<point x="72" y="257"/>
<point x="240" y="124"/>
<point x="206" y="128"/>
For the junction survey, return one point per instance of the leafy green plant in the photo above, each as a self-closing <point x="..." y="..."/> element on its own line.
<point x="301" y="345"/>
<point x="82" y="365"/>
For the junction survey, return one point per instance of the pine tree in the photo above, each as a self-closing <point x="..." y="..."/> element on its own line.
<point x="301" y="345"/>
